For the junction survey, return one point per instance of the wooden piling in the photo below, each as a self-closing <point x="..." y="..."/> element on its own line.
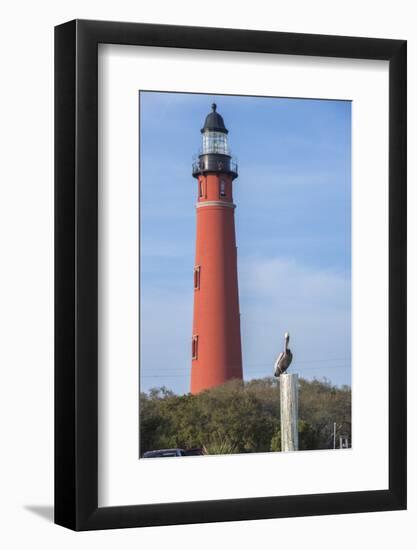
<point x="289" y="412"/>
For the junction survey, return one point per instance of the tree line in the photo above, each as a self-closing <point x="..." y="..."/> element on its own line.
<point x="242" y="417"/>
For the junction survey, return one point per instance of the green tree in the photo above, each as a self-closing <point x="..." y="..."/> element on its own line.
<point x="242" y="417"/>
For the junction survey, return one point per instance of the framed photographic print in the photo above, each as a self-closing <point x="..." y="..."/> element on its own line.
<point x="230" y="275"/>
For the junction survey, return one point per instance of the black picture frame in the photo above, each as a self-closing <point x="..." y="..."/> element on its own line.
<point x="76" y="272"/>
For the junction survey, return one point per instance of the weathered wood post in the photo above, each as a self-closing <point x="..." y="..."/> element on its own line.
<point x="289" y="412"/>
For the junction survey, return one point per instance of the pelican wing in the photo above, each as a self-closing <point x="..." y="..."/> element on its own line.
<point x="277" y="365"/>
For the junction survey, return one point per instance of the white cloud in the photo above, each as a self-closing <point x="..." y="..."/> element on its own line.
<point x="275" y="295"/>
<point x="292" y="283"/>
<point x="312" y="304"/>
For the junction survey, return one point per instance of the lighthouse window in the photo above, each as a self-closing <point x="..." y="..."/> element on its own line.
<point x="195" y="347"/>
<point x="197" y="277"/>
<point x="202" y="189"/>
<point x="222" y="188"/>
<point x="215" y="142"/>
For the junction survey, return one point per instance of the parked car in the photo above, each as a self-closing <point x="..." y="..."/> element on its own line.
<point x="195" y="451"/>
<point x="161" y="453"/>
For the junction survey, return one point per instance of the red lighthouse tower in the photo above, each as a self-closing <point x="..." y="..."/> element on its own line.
<point x="216" y="343"/>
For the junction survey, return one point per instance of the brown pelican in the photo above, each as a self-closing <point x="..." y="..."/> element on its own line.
<point x="284" y="358"/>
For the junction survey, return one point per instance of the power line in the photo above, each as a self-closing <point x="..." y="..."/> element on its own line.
<point x="165" y="375"/>
<point x="345" y="360"/>
<point x="257" y="369"/>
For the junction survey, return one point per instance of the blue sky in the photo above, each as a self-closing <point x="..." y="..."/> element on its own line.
<point x="293" y="217"/>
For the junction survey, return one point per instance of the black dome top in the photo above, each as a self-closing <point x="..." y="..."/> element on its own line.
<point x="214" y="122"/>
